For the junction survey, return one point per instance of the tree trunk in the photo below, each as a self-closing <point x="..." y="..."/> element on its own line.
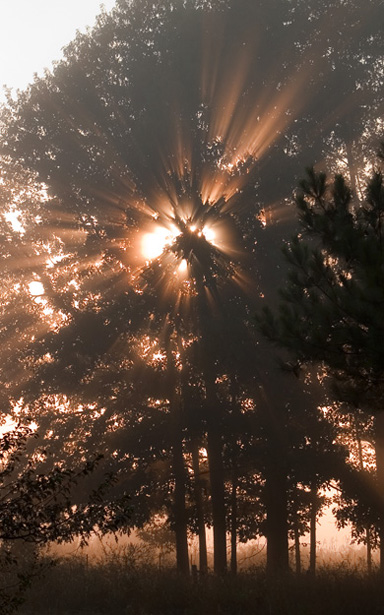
<point x="273" y="412"/>
<point x="216" y="474"/>
<point x="379" y="448"/>
<point x="369" y="549"/>
<point x="297" y="549"/>
<point x="313" y="522"/>
<point x="178" y="465"/>
<point x="296" y="534"/>
<point x="214" y="440"/>
<point x="234" y="522"/>
<point x="182" y="557"/>
<point x="277" y="526"/>
<point x="367" y="529"/>
<point x="203" y="559"/>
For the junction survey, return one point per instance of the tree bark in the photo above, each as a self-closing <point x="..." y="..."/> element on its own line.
<point x="203" y="558"/>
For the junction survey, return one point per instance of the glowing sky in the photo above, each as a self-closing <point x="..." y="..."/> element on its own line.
<point x="33" y="32"/>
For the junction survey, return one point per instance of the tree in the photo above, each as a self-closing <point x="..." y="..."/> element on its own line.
<point x="331" y="309"/>
<point x="356" y="503"/>
<point x="40" y="505"/>
<point x="167" y="121"/>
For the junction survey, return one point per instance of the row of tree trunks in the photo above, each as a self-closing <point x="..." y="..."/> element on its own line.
<point x="276" y="500"/>
<point x="216" y="470"/>
<point x="277" y="550"/>
<point x="217" y="499"/>
<point x="314" y="508"/>
<point x="213" y="420"/>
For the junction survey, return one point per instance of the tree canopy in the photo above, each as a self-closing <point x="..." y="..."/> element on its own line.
<point x="162" y="149"/>
<point x="331" y="308"/>
<point x="330" y="314"/>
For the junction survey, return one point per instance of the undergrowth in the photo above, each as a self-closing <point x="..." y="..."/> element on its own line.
<point x="117" y="586"/>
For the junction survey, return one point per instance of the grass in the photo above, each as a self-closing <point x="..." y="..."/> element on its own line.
<point x="117" y="586"/>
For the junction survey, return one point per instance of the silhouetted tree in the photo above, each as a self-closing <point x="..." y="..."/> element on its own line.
<point x="187" y="117"/>
<point x="330" y="313"/>
<point x="38" y="506"/>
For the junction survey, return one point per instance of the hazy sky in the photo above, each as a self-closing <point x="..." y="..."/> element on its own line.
<point x="32" y="33"/>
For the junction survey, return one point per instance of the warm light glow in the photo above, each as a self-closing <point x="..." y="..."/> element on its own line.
<point x="183" y="267"/>
<point x="154" y="243"/>
<point x="209" y="234"/>
<point x="13" y="218"/>
<point x="36" y="288"/>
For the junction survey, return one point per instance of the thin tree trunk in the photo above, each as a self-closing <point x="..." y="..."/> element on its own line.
<point x="296" y="535"/>
<point x="367" y="529"/>
<point x="297" y="550"/>
<point x="379" y="448"/>
<point x="214" y="440"/>
<point x="369" y="549"/>
<point x="234" y="522"/>
<point x="313" y="522"/>
<point x="182" y="557"/>
<point x="218" y="501"/>
<point x="203" y="559"/>
<point x="178" y="465"/>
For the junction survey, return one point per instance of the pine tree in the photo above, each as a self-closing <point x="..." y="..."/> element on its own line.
<point x="331" y="310"/>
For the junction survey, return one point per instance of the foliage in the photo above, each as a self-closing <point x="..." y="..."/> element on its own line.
<point x="38" y="506"/>
<point x="331" y="306"/>
<point x="188" y="116"/>
<point x="331" y="316"/>
<point x="130" y="587"/>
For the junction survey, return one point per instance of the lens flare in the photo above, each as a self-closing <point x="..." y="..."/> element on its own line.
<point x="154" y="243"/>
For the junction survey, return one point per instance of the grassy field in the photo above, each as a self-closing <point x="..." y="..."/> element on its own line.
<point x="74" y="587"/>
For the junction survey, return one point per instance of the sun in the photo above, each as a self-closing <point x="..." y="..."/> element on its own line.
<point x="191" y="244"/>
<point x="36" y="288"/>
<point x="154" y="242"/>
<point x="161" y="237"/>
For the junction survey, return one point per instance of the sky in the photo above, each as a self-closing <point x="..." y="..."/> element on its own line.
<point x="33" y="32"/>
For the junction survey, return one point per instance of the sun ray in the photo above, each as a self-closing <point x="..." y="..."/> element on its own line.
<point x="169" y="211"/>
